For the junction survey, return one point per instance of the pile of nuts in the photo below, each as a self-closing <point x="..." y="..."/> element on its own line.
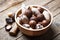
<point x="11" y="25"/>
<point x="33" y="17"/>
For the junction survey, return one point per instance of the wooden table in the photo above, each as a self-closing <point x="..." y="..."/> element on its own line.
<point x="52" y="34"/>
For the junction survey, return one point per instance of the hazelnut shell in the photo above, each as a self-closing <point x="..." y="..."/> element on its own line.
<point x="32" y="23"/>
<point x="44" y="22"/>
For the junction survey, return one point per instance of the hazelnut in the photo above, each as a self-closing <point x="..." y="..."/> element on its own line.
<point x="40" y="17"/>
<point x="32" y="23"/>
<point x="11" y="15"/>
<point x="35" y="11"/>
<point x="9" y="20"/>
<point x="46" y="15"/>
<point x="33" y="18"/>
<point x="8" y="27"/>
<point x="44" y="23"/>
<point x="28" y="13"/>
<point x="40" y="9"/>
<point x="19" y="20"/>
<point x="24" y="19"/>
<point x="39" y="26"/>
<point x="26" y="25"/>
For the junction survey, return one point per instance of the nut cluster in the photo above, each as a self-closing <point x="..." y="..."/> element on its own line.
<point x="34" y="17"/>
<point x="11" y="26"/>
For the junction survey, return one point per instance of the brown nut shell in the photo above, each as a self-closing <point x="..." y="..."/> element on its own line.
<point x="11" y="15"/>
<point x="24" y="19"/>
<point x="40" y="17"/>
<point x="32" y="23"/>
<point x="14" y="30"/>
<point x="33" y="18"/>
<point x="28" y="13"/>
<point x="40" y="9"/>
<point x="8" y="27"/>
<point x="44" y="22"/>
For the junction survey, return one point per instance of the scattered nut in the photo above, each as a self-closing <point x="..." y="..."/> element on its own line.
<point x="9" y="20"/>
<point x="8" y="27"/>
<point x="32" y="23"/>
<point x="11" y="15"/>
<point x="14" y="30"/>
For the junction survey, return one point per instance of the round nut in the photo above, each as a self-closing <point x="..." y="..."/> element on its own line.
<point x="19" y="20"/>
<point x="39" y="26"/>
<point x="32" y="23"/>
<point x="44" y="23"/>
<point x="9" y="20"/>
<point x="8" y="27"/>
<point x="26" y="25"/>
<point x="28" y="13"/>
<point x="24" y="19"/>
<point x="35" y="11"/>
<point x="40" y="17"/>
<point x="46" y="15"/>
<point x="40" y="9"/>
<point x="33" y="18"/>
<point x="11" y="15"/>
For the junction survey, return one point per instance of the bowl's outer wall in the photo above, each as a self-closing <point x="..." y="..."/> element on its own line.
<point x="32" y="33"/>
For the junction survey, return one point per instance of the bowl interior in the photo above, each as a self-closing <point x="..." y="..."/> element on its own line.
<point x="19" y="12"/>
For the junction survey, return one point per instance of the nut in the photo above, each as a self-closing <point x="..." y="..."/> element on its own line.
<point x="11" y="15"/>
<point x="44" y="22"/>
<point x="26" y="25"/>
<point x="40" y="9"/>
<point x="35" y="11"/>
<point x="28" y="13"/>
<point x="8" y="27"/>
<point x="39" y="26"/>
<point x="40" y="17"/>
<point x="9" y="20"/>
<point x="33" y="18"/>
<point x="32" y="23"/>
<point x="19" y="20"/>
<point x="24" y="19"/>
<point x="46" y="15"/>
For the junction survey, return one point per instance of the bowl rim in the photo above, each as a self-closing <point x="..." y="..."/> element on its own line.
<point x="35" y="29"/>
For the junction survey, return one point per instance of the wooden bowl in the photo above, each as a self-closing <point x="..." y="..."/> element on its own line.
<point x="33" y="32"/>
